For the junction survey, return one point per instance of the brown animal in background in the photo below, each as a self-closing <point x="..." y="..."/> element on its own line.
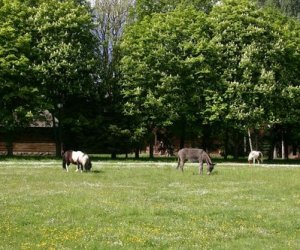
<point x="195" y="154"/>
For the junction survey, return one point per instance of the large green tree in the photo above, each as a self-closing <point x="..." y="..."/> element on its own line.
<point x="19" y="97"/>
<point x="65" y="58"/>
<point x="259" y="64"/>
<point x="110" y="18"/>
<point x="167" y="68"/>
<point x="65" y="49"/>
<point x="48" y="57"/>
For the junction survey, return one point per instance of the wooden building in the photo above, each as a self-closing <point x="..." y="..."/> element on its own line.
<point x="37" y="139"/>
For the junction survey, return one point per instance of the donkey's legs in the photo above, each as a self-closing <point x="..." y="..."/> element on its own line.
<point x="180" y="164"/>
<point x="200" y="167"/>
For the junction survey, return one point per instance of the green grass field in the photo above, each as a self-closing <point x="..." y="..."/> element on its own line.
<point x="148" y="205"/>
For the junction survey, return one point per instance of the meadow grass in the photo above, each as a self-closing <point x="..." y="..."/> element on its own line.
<point x="147" y="205"/>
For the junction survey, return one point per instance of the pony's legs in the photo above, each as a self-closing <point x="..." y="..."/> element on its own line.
<point x="78" y="167"/>
<point x="200" y="167"/>
<point x="251" y="161"/>
<point x="260" y="160"/>
<point x="64" y="164"/>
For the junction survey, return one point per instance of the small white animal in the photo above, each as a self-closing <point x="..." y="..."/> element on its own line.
<point x="255" y="155"/>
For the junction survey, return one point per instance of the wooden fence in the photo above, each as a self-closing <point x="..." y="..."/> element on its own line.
<point x="33" y="141"/>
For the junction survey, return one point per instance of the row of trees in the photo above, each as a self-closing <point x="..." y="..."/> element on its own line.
<point x="234" y="68"/>
<point x="117" y="73"/>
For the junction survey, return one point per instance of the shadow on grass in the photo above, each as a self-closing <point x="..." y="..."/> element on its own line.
<point x="97" y="171"/>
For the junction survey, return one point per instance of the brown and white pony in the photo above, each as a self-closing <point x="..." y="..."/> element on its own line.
<point x="78" y="158"/>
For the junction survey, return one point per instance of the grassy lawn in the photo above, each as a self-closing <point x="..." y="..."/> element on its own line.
<point x="148" y="205"/>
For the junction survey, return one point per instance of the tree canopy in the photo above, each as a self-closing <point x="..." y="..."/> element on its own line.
<point x="234" y="65"/>
<point x="167" y="66"/>
<point x="48" y="54"/>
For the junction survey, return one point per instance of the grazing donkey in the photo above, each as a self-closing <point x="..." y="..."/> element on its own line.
<point x="255" y="155"/>
<point x="195" y="154"/>
<point x="78" y="158"/>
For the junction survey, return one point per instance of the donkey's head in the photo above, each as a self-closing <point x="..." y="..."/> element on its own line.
<point x="210" y="168"/>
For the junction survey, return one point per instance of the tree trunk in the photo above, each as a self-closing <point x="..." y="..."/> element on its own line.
<point x="282" y="148"/>
<point x="9" y="148"/>
<point x="137" y="153"/>
<point x="245" y="145"/>
<point x="114" y="155"/>
<point x="236" y="137"/>
<point x="226" y="141"/>
<point x="182" y="134"/>
<point x="151" y="144"/>
<point x="56" y="136"/>
<point x="206" y="138"/>
<point x="250" y="140"/>
<point x="274" y="152"/>
<point x="286" y="149"/>
<point x="151" y="150"/>
<point x="9" y="139"/>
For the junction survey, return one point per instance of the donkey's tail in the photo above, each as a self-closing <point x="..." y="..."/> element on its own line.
<point x="207" y="158"/>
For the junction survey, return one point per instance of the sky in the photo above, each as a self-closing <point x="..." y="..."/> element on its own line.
<point x="92" y="2"/>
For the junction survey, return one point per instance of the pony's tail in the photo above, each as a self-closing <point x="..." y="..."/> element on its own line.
<point x="262" y="157"/>
<point x="64" y="159"/>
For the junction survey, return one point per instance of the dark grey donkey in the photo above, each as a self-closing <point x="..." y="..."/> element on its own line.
<point x="195" y="154"/>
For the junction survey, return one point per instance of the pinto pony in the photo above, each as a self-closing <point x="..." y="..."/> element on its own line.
<point x="255" y="155"/>
<point x="78" y="158"/>
<point x="195" y="154"/>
